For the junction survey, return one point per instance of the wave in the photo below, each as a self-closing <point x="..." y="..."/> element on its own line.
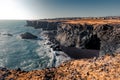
<point x="55" y="57"/>
<point x="27" y="54"/>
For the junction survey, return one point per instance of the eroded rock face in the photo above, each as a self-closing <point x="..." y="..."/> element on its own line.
<point x="45" y="25"/>
<point x="76" y="35"/>
<point x="110" y="38"/>
<point x="103" y="37"/>
<point x="28" y="35"/>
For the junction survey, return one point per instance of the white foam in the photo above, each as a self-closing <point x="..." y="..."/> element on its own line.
<point x="45" y="51"/>
<point x="54" y="60"/>
<point x="2" y="63"/>
<point x="62" y="57"/>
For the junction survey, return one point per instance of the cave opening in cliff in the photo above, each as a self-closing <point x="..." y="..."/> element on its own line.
<point x="93" y="43"/>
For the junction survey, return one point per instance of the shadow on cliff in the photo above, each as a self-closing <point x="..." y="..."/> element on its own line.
<point x="77" y="53"/>
<point x="92" y="48"/>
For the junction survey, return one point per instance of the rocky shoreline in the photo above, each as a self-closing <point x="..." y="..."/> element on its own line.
<point x="92" y="43"/>
<point x="96" y="34"/>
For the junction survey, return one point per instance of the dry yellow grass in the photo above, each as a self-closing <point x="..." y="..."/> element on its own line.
<point x="89" y="21"/>
<point x="92" y="21"/>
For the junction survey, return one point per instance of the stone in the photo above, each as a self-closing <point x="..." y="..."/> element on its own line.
<point x="90" y="34"/>
<point x="28" y="35"/>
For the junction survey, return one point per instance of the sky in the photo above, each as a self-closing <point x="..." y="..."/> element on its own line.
<point x="40" y="9"/>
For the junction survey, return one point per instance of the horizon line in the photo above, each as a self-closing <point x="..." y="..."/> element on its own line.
<point x="61" y="17"/>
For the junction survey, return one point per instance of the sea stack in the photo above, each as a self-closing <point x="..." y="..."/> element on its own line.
<point x="28" y="35"/>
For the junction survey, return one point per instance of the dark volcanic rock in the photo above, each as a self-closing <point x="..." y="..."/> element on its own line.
<point x="103" y="37"/>
<point x="110" y="38"/>
<point x="56" y="47"/>
<point x="45" y="25"/>
<point x="28" y="35"/>
<point x="76" y="35"/>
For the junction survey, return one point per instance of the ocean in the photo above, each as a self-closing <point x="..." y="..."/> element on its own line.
<point x="25" y="54"/>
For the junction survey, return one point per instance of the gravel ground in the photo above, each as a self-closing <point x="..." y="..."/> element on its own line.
<point x="102" y="68"/>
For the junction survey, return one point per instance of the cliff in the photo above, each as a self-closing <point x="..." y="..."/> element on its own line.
<point x="45" y="25"/>
<point x="93" y="34"/>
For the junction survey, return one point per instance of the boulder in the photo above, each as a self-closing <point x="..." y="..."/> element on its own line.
<point x="28" y="35"/>
<point x="56" y="47"/>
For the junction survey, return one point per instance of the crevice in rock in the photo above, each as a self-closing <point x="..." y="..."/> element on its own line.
<point x="93" y="43"/>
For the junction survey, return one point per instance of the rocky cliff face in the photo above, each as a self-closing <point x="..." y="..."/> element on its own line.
<point x="103" y="37"/>
<point x="45" y="25"/>
<point x="109" y="35"/>
<point x="74" y="35"/>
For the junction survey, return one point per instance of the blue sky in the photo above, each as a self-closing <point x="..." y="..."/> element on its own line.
<point x="35" y="9"/>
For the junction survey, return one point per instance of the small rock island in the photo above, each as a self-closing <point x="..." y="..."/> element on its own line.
<point x="28" y="35"/>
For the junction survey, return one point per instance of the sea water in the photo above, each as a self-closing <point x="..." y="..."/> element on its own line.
<point x="25" y="53"/>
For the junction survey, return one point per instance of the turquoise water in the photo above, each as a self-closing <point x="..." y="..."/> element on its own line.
<point x="26" y="54"/>
<point x="19" y="53"/>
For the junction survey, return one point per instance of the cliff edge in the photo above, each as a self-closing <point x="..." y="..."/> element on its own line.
<point x="92" y="34"/>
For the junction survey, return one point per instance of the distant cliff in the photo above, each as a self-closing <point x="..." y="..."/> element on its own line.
<point x="104" y="37"/>
<point x="45" y="25"/>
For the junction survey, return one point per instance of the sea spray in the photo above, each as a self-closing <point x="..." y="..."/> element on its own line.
<point x="55" y="57"/>
<point x="26" y="54"/>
